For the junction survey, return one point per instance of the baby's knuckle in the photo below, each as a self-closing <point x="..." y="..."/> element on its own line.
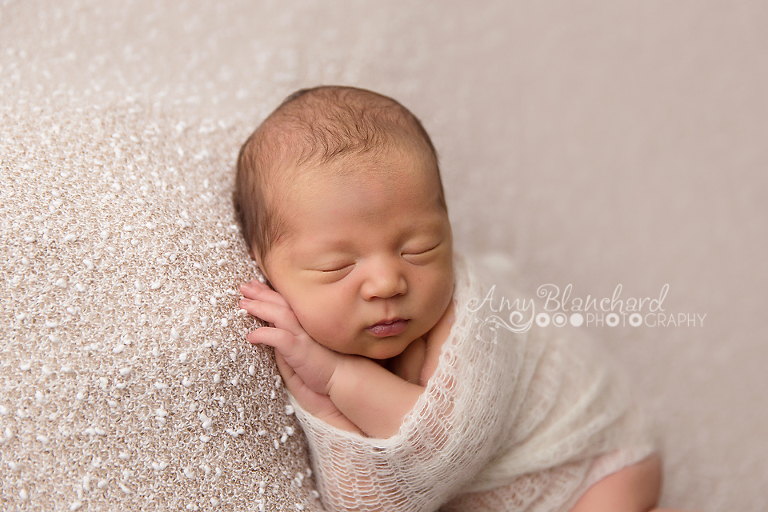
<point x="286" y="316"/>
<point x="288" y="340"/>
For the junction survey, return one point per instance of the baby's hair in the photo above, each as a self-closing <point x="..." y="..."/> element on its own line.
<point x="316" y="126"/>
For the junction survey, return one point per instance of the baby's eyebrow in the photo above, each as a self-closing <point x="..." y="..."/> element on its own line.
<point x="425" y="227"/>
<point x="312" y="252"/>
<point x="331" y="244"/>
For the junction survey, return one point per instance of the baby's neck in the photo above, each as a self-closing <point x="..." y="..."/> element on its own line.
<point x="409" y="363"/>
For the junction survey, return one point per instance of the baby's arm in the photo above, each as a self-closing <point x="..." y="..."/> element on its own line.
<point x="633" y="488"/>
<point x="347" y="391"/>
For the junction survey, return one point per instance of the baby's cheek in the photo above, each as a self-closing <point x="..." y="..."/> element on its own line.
<point x="440" y="293"/>
<point x="322" y="326"/>
<point x="328" y="318"/>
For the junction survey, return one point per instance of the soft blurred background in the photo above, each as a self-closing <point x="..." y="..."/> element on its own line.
<point x="597" y="142"/>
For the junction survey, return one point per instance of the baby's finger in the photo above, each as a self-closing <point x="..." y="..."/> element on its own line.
<point x="254" y="287"/>
<point x="280" y="339"/>
<point x="255" y="280"/>
<point x="262" y="292"/>
<point x="293" y="349"/>
<point x="280" y="316"/>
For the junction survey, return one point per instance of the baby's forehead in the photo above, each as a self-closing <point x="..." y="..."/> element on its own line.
<point x="350" y="179"/>
<point x="354" y="187"/>
<point x="385" y="166"/>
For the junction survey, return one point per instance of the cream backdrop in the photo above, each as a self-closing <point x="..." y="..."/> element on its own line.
<point x="599" y="143"/>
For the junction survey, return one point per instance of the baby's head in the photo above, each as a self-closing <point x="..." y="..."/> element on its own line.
<point x="339" y="196"/>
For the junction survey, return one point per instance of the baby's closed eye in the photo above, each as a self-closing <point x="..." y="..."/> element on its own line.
<point x="336" y="268"/>
<point x="420" y="253"/>
<point x="333" y="270"/>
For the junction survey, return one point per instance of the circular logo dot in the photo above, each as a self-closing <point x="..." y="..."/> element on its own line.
<point x="559" y="319"/>
<point x="635" y="319"/>
<point x="612" y="320"/>
<point x="542" y="319"/>
<point x="577" y="319"/>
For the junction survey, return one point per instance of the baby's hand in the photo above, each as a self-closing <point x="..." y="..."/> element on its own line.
<point x="305" y="365"/>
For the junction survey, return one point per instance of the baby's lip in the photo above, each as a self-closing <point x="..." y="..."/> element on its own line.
<point x="386" y="328"/>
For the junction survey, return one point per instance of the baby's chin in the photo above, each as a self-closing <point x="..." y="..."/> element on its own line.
<point x="380" y="353"/>
<point x="389" y="349"/>
<point x="372" y="347"/>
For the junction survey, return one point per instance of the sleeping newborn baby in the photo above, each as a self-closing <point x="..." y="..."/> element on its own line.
<point x="411" y="397"/>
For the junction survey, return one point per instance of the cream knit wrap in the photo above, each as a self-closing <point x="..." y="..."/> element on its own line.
<point x="508" y="421"/>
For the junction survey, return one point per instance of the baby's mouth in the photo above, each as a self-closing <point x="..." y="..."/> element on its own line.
<point x="387" y="328"/>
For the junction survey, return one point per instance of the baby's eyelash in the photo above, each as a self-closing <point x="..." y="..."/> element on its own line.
<point x="335" y="269"/>
<point x="330" y="271"/>
<point x="416" y="253"/>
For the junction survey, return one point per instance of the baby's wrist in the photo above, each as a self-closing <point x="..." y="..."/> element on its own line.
<point x="337" y="373"/>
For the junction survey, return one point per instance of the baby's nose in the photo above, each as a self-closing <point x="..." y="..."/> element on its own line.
<point x="384" y="282"/>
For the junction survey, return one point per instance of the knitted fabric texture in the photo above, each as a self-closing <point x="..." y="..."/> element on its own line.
<point x="126" y="382"/>
<point x="507" y="422"/>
